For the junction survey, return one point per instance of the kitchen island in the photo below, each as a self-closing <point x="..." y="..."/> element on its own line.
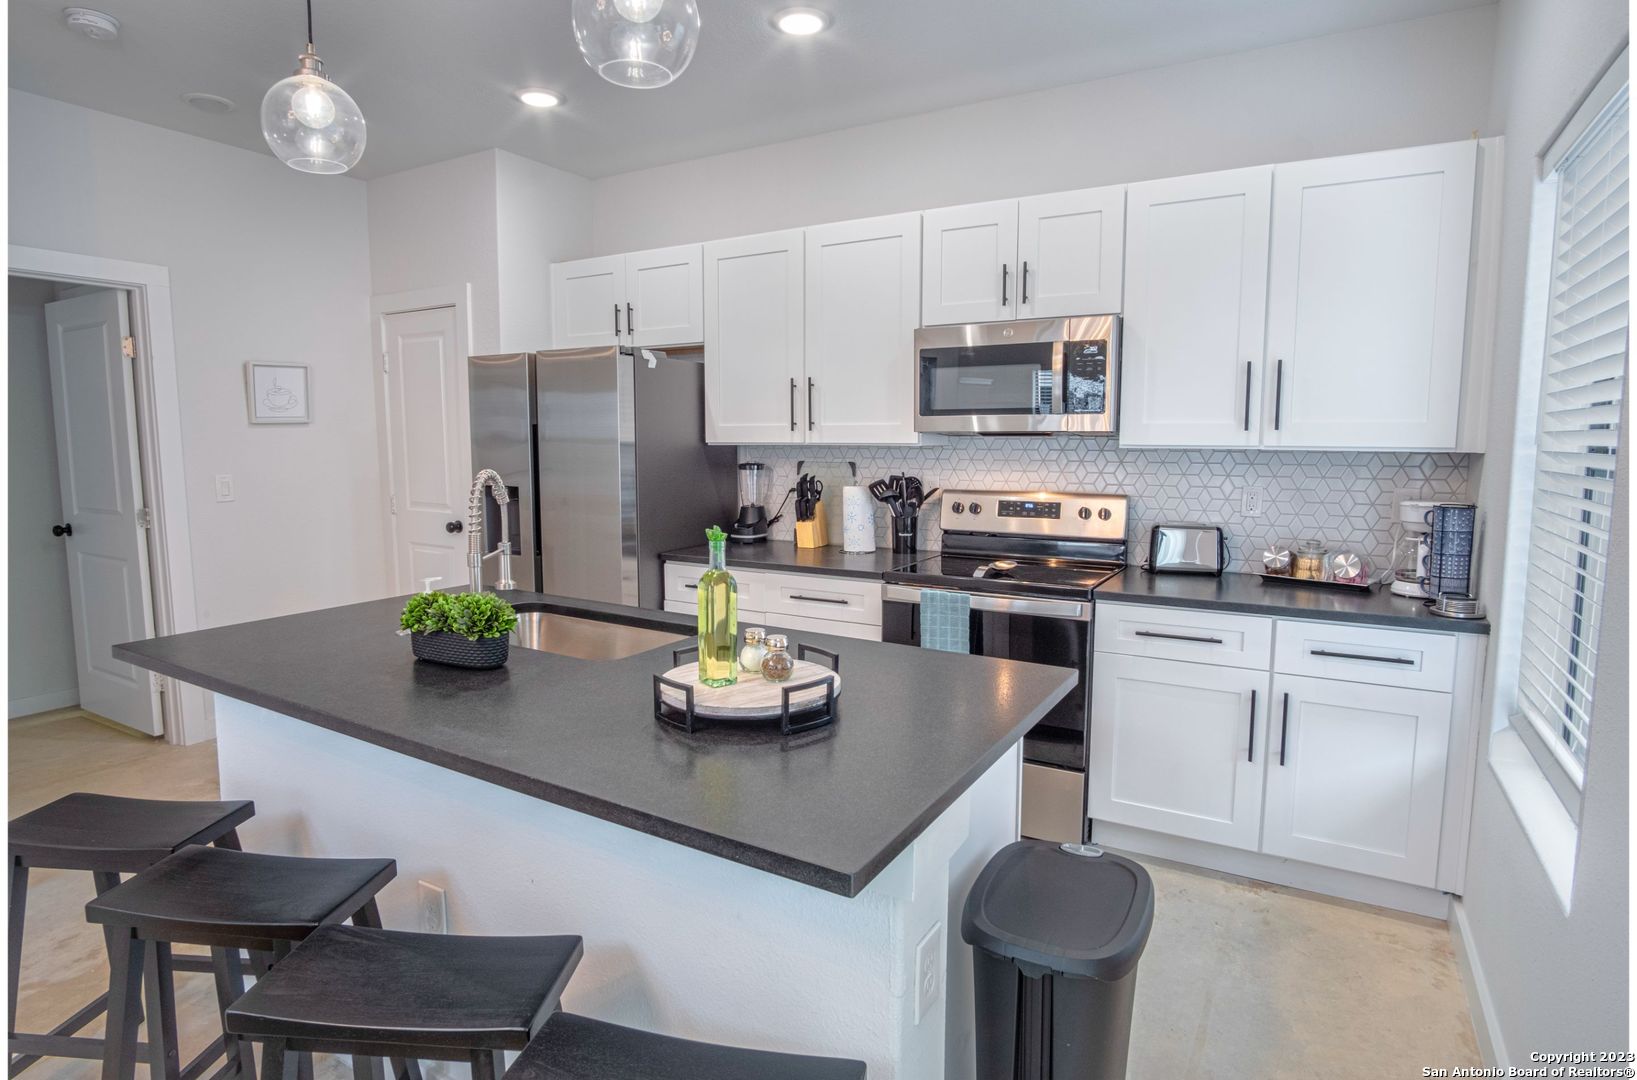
<point x="794" y="893"/>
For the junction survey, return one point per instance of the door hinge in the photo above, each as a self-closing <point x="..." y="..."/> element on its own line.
<point x="159" y="684"/>
<point x="127" y="345"/>
<point x="386" y="362"/>
<point x="144" y="517"/>
<point x="392" y="504"/>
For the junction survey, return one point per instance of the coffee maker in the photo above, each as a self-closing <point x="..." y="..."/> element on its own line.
<point x="751" y="525"/>
<point x="1412" y="550"/>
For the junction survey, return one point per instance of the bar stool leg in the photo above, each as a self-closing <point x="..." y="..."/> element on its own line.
<point x="14" y="945"/>
<point x="487" y="1064"/>
<point x="125" y="961"/>
<point x="277" y="1063"/>
<point x="229" y="988"/>
<point x="164" y="1056"/>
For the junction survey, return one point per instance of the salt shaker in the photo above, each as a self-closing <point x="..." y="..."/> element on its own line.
<point x="752" y="651"/>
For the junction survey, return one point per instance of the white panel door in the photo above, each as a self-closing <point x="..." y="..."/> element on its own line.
<point x="1070" y="250"/>
<point x="588" y="303"/>
<point x="969" y="263"/>
<point x="665" y="296"/>
<point x="863" y="286"/>
<point x="1196" y="266"/>
<point x="1178" y="748"/>
<point x="1356" y="776"/>
<point x="94" y="402"/>
<point x="753" y="340"/>
<point x="426" y="418"/>
<point x="1367" y="298"/>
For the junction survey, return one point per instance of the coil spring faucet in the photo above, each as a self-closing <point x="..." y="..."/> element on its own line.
<point x="488" y="478"/>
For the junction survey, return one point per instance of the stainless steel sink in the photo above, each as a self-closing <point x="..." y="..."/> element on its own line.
<point x="586" y="639"/>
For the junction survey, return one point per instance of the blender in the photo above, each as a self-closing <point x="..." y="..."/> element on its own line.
<point x="1411" y="551"/>
<point x="751" y="526"/>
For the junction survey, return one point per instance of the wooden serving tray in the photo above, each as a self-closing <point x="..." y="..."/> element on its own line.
<point x="752" y="697"/>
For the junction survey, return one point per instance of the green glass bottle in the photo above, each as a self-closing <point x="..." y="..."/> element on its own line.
<point x="718" y="617"/>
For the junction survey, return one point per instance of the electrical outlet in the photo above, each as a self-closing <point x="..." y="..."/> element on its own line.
<point x="224" y="487"/>
<point x="1250" y="502"/>
<point x="929" y="969"/>
<point x="434" y="912"/>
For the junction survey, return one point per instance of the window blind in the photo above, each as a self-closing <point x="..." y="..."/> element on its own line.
<point x="1582" y="380"/>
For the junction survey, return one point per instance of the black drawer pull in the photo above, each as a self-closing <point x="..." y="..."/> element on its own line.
<point x="690" y="586"/>
<point x="1250" y="751"/>
<point x="820" y="599"/>
<point x="1180" y="637"/>
<point x="1361" y="656"/>
<point x="1284" y="730"/>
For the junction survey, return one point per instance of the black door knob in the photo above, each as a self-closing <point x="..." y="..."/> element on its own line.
<point x="62" y="530"/>
<point x="452" y="526"/>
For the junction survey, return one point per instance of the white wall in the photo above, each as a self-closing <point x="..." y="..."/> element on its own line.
<point x="1408" y="83"/>
<point x="40" y="643"/>
<point x="1555" y="980"/>
<point x="265" y="264"/>
<point x="544" y="216"/>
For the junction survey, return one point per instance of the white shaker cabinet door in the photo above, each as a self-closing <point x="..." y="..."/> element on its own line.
<point x="1367" y="299"/>
<point x="1356" y="776"/>
<point x="1196" y="265"/>
<point x="969" y="263"/>
<point x="1070" y="251"/>
<point x="588" y="303"/>
<point x="754" y="368"/>
<point x="1178" y="748"/>
<point x="863" y="285"/>
<point x="665" y="296"/>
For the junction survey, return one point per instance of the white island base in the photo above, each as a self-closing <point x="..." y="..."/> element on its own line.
<point x="676" y="940"/>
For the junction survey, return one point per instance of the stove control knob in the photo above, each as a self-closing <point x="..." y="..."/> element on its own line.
<point x="974" y="508"/>
<point x="1104" y="514"/>
<point x="1085" y="513"/>
<point x="958" y="508"/>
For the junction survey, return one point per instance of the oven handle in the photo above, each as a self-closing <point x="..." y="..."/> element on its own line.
<point x="1008" y="605"/>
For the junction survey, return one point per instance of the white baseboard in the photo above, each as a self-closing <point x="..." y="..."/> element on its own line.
<point x="28" y="706"/>
<point x="1485" y="1023"/>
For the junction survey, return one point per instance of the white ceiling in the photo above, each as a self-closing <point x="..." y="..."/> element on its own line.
<point x="435" y="78"/>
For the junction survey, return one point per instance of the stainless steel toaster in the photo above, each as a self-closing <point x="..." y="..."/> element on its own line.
<point x="1187" y="549"/>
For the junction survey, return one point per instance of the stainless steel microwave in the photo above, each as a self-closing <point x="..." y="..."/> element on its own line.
<point x="1033" y="376"/>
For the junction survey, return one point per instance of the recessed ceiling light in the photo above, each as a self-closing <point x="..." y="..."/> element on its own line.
<point x="539" y="99"/>
<point x="96" y="25"/>
<point x="801" y="22"/>
<point x="210" y="103"/>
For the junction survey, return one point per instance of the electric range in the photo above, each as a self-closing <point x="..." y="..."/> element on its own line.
<point x="1028" y="564"/>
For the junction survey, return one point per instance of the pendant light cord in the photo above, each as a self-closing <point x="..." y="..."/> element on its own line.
<point x="309" y="24"/>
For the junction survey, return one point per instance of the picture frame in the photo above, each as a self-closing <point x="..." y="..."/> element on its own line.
<point x="278" y="393"/>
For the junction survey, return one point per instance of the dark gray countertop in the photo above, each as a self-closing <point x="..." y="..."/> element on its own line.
<point x="1249" y="593"/>
<point x="784" y="555"/>
<point x="829" y="808"/>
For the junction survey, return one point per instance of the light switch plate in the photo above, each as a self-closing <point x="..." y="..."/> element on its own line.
<point x="434" y="916"/>
<point x="929" y="971"/>
<point x="224" y="487"/>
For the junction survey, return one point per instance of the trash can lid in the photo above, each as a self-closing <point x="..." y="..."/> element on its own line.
<point x="1073" y="914"/>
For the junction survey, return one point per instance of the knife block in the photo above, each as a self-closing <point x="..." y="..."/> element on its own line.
<point x="815" y="533"/>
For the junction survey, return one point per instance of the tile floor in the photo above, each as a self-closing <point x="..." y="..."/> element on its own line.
<point x="1240" y="979"/>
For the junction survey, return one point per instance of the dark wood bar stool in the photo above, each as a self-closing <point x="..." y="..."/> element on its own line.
<point x="573" y="1047"/>
<point x="226" y="900"/>
<point x="108" y="836"/>
<point x="407" y="997"/>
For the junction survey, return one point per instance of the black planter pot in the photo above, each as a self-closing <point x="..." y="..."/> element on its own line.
<point x="457" y="651"/>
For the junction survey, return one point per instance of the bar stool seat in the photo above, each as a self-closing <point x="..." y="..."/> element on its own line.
<point x="386" y="993"/>
<point x="573" y="1047"/>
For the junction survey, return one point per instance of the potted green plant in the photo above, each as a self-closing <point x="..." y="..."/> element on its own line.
<point x="471" y="630"/>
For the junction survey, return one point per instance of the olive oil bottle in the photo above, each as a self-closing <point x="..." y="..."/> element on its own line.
<point x="718" y="617"/>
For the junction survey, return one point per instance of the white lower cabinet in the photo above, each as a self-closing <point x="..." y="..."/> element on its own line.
<point x="821" y="603"/>
<point x="1356" y="776"/>
<point x="1178" y="747"/>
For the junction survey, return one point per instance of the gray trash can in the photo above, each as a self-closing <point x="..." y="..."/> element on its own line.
<point x="1056" y="936"/>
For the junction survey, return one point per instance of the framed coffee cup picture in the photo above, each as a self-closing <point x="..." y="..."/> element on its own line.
<point x="278" y="393"/>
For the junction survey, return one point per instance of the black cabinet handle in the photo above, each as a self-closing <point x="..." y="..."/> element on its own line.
<point x="1005" y="273"/>
<point x="809" y="403"/>
<point x="695" y="586"/>
<point x="630" y="319"/>
<point x="1179" y="637"/>
<point x="452" y="526"/>
<point x="616" y="320"/>
<point x="1247" y="395"/>
<point x="1284" y="730"/>
<point x="1250" y="751"/>
<point x="1025" y="297"/>
<point x="1278" y="392"/>
<point x="1361" y="656"/>
<point x="62" y="530"/>
<point x="820" y="599"/>
<point x="792" y="404"/>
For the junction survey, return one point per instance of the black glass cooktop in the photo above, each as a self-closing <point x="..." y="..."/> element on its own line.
<point x="995" y="573"/>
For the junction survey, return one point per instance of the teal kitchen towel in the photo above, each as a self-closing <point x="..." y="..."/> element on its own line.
<point x="946" y="622"/>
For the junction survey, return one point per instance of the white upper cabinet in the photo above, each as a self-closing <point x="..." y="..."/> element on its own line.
<point x="1196" y="266"/>
<point x="1070" y="251"/>
<point x="646" y="298"/>
<point x="1042" y="257"/>
<point x="970" y="263"/>
<point x="754" y="339"/>
<point x="863" y="285"/>
<point x="1367" y="299"/>
<point x="665" y="296"/>
<point x="588" y="302"/>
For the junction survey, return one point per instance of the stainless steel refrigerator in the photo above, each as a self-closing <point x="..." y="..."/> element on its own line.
<point x="603" y="453"/>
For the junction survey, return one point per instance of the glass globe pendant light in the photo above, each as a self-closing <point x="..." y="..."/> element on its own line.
<point x="311" y="123"/>
<point x="643" y="44"/>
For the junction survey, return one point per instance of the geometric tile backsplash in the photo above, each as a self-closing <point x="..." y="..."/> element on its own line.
<point x="1344" y="498"/>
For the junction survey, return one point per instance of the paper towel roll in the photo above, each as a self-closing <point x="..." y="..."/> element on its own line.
<point x="857" y="520"/>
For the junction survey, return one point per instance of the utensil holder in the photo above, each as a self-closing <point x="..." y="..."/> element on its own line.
<point x="903" y="533"/>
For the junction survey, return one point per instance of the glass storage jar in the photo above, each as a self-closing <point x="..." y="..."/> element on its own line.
<point x="1309" y="561"/>
<point x="777" y="664"/>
